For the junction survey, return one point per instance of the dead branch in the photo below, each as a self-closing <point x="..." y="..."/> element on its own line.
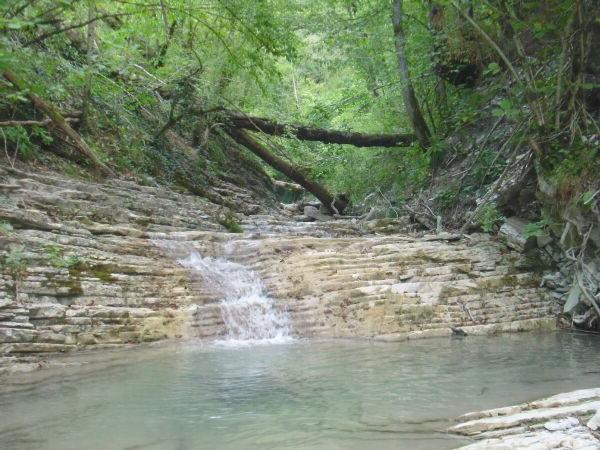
<point x="34" y="123"/>
<point x="59" y="121"/>
<point x="56" y="31"/>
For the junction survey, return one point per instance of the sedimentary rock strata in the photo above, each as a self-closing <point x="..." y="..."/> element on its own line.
<point x="82" y="267"/>
<point x="396" y="287"/>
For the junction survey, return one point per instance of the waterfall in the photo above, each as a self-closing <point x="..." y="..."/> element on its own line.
<point x="249" y="314"/>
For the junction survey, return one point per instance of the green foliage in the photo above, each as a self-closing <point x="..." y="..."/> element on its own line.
<point x="492" y="69"/>
<point x="326" y="63"/>
<point x="5" y="228"/>
<point x="586" y="199"/>
<point x="489" y="217"/>
<point x="446" y="199"/>
<point x="538" y="228"/>
<point x="229" y="221"/>
<point x="24" y="141"/>
<point x="57" y="259"/>
<point x="16" y="263"/>
<point x="574" y="171"/>
<point x="506" y="109"/>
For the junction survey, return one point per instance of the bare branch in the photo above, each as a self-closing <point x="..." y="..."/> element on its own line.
<point x="45" y="36"/>
<point x="35" y="123"/>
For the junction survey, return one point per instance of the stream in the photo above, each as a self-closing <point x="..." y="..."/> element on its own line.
<point x="300" y="395"/>
<point x="259" y="387"/>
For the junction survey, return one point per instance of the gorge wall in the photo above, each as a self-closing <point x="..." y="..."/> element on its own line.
<point x="81" y="268"/>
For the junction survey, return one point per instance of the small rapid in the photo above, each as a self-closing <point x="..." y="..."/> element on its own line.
<point x="250" y="316"/>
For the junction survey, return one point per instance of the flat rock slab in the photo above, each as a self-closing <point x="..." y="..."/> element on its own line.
<point x="561" y="421"/>
<point x="576" y="438"/>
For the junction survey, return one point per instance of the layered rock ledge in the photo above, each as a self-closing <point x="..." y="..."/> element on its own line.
<point x="81" y="268"/>
<point x="390" y="287"/>
<point x="567" y="421"/>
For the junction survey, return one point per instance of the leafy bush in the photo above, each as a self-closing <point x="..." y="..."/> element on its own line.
<point x="15" y="262"/>
<point x="489" y="217"/>
<point x="57" y="258"/>
<point x="537" y="228"/>
<point x="446" y="198"/>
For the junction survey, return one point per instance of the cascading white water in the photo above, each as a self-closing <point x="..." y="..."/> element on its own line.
<point x="250" y="316"/>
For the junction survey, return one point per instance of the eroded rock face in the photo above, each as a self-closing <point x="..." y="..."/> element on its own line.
<point x="396" y="287"/>
<point x="78" y="267"/>
<point x="81" y="268"/>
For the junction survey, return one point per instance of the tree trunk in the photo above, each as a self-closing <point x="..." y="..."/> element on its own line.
<point x="58" y="120"/>
<point x="435" y="22"/>
<point x="337" y="204"/>
<point x="90" y="50"/>
<point x="162" y="52"/>
<point x="410" y="100"/>
<point x="319" y="134"/>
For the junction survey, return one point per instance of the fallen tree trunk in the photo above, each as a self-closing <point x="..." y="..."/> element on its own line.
<point x="59" y="121"/>
<point x="37" y="123"/>
<point x="336" y="203"/>
<point x="293" y="187"/>
<point x="319" y="134"/>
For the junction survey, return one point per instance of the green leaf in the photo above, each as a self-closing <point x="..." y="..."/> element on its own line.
<point x="505" y="104"/>
<point x="492" y="69"/>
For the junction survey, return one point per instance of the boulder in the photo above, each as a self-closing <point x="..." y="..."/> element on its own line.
<point x="314" y="213"/>
<point x="594" y="422"/>
<point x="513" y="232"/>
<point x="86" y="339"/>
<point x="543" y="239"/>
<point x="388" y="226"/>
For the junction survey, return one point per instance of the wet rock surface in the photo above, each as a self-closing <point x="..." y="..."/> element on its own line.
<point x="566" y="421"/>
<point x="81" y="268"/>
<point x="397" y="287"/>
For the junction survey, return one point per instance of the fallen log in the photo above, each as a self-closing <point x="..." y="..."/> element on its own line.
<point x="37" y="123"/>
<point x="293" y="187"/>
<point x="59" y="121"/>
<point x="326" y="136"/>
<point x="335" y="203"/>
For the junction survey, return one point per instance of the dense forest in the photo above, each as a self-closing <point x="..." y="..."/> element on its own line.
<point x="456" y="112"/>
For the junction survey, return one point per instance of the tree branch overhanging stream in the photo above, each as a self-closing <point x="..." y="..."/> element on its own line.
<point x="327" y="136"/>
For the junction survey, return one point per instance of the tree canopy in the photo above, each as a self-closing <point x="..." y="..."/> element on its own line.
<point x="124" y="75"/>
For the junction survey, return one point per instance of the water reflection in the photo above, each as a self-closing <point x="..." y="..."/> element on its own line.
<point x="313" y="395"/>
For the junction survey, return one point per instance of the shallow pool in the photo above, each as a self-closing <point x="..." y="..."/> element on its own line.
<point x="302" y="395"/>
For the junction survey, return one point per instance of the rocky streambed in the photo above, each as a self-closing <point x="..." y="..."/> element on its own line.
<point x="81" y="269"/>
<point x="102" y="266"/>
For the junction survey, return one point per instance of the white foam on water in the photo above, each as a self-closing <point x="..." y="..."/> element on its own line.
<point x="249" y="314"/>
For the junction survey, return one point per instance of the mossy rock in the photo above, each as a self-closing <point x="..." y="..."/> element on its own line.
<point x="229" y="221"/>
